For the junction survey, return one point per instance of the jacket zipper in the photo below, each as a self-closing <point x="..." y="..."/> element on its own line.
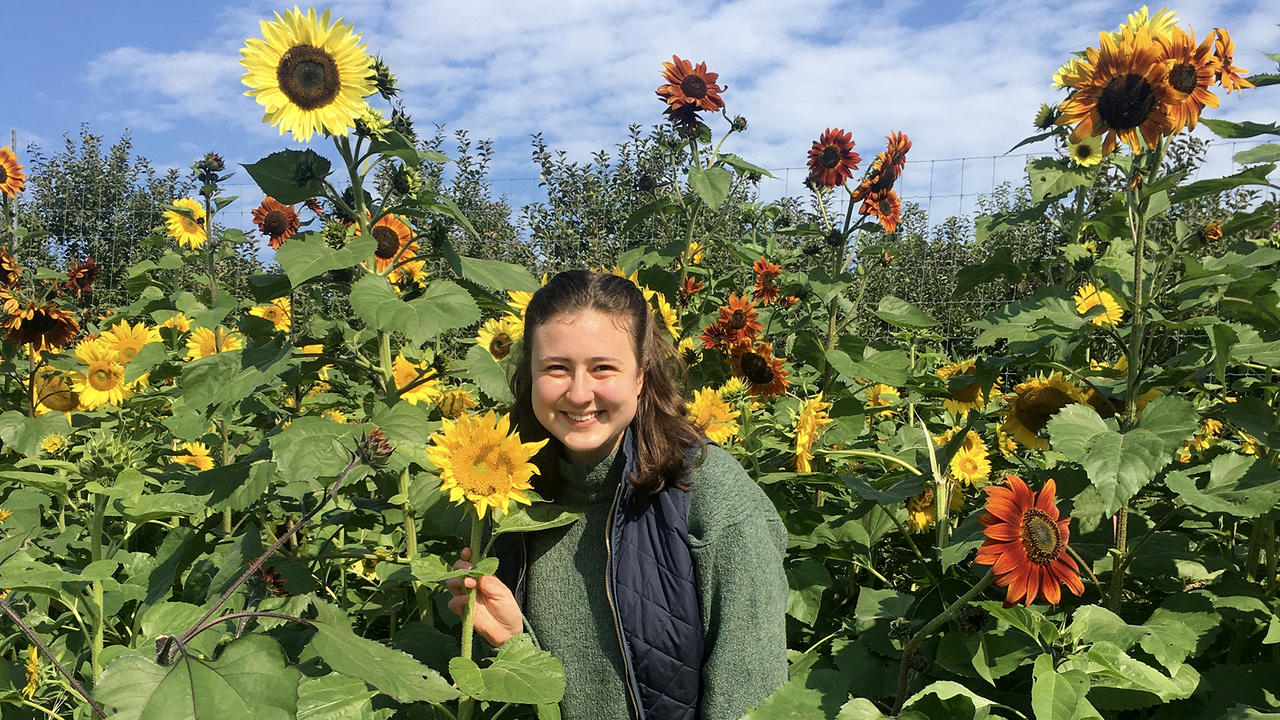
<point x="608" y="591"/>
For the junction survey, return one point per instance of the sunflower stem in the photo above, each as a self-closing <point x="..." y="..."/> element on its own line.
<point x="96" y="590"/>
<point x="410" y="522"/>
<point x="913" y="645"/>
<point x="469" y="618"/>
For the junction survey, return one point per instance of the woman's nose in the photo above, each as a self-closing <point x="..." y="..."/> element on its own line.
<point x="581" y="389"/>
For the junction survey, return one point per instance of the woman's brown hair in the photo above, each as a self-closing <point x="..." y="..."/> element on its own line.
<point x="665" y="441"/>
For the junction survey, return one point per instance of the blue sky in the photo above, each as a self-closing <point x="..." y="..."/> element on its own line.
<point x="963" y="79"/>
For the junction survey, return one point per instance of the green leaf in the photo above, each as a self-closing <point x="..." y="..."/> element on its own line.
<point x="1238" y="485"/>
<point x="998" y="266"/>
<point x="1261" y="154"/>
<point x="948" y="699"/>
<point x="433" y="569"/>
<point x="742" y="166"/>
<point x="815" y="695"/>
<point x="391" y="671"/>
<point x="334" y="697"/>
<point x="1222" y="337"/>
<point x="307" y="256"/>
<point x="1183" y="626"/>
<point x="497" y="275"/>
<point x="880" y="366"/>
<point x="712" y="185"/>
<point x="487" y="374"/>
<point x="1056" y="695"/>
<point x="1111" y="667"/>
<point x="1119" y="465"/>
<point x="900" y="313"/>
<point x="153" y="506"/>
<point x="1254" y="175"/>
<point x="1052" y="178"/>
<point x="249" y="681"/>
<point x="311" y="447"/>
<point x="661" y="205"/>
<point x="444" y="306"/>
<point x="1172" y="419"/>
<point x="1092" y="623"/>
<point x="24" y="435"/>
<point x="875" y="604"/>
<point x="148" y="357"/>
<point x="278" y="174"/>
<point x="266" y="287"/>
<point x="541" y="516"/>
<point x="521" y="673"/>
<point x="807" y="580"/>
<point x="229" y="377"/>
<point x="1228" y="129"/>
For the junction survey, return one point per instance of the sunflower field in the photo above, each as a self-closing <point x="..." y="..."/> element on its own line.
<point x="248" y="499"/>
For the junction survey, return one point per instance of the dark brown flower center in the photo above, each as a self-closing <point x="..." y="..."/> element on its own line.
<point x="1040" y="537"/>
<point x="388" y="241"/>
<point x="500" y="346"/>
<point x="757" y="369"/>
<point x="308" y="76"/>
<point x="964" y="393"/>
<point x="276" y="223"/>
<point x="4" y="174"/>
<point x="1126" y="102"/>
<point x="1183" y="77"/>
<point x="830" y="157"/>
<point x="1034" y="408"/>
<point x="694" y="86"/>
<point x="1084" y="151"/>
<point x="737" y="320"/>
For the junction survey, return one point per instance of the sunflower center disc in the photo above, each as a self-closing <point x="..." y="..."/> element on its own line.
<point x="966" y="394"/>
<point x="4" y="175"/>
<point x="757" y="369"/>
<point x="830" y="157"/>
<point x="1183" y="77"/>
<point x="1036" y="407"/>
<point x="1040" y="537"/>
<point x="1126" y="102"/>
<point x="694" y="86"/>
<point x="275" y="223"/>
<point x="308" y="76"/>
<point x="1084" y="151"/>
<point x="738" y="320"/>
<point x="388" y="242"/>
<point x="100" y="379"/>
<point x="500" y="347"/>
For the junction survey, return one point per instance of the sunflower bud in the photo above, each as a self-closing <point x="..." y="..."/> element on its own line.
<point x="349" y="198"/>
<point x="973" y="619"/>
<point x="739" y="123"/>
<point x="899" y="629"/>
<point x="402" y="123"/>
<point x="371" y="124"/>
<point x="373" y="448"/>
<point x="1046" y="116"/>
<point x="206" y="169"/>
<point x="1213" y="231"/>
<point x="754" y="177"/>
<point x="406" y="182"/>
<point x="646" y="183"/>
<point x="312" y="168"/>
<point x="834" y="239"/>
<point x="383" y="79"/>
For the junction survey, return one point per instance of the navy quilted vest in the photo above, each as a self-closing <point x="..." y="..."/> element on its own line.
<point x="653" y="592"/>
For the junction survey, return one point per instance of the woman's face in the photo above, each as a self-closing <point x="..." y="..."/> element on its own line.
<point x="586" y="382"/>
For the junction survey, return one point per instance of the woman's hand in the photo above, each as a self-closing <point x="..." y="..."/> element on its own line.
<point x="497" y="616"/>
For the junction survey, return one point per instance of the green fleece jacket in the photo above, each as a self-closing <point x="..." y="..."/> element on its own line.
<point x="738" y="542"/>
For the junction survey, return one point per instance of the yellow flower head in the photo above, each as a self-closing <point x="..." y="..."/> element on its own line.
<point x="964" y="392"/>
<point x="335" y="415"/>
<point x="482" y="462"/>
<point x="881" y="395"/>
<point x="971" y="467"/>
<point x="103" y="382"/>
<point x="1034" y="403"/>
<point x="1089" y="297"/>
<point x="5" y="514"/>
<point x="53" y="444"/>
<point x="197" y="455"/>
<point x="694" y="252"/>
<point x="735" y="388"/>
<point x="33" y="672"/>
<point x="205" y="342"/>
<point x="1087" y="152"/>
<point x="713" y="415"/>
<point x="497" y="335"/>
<point x="126" y="340"/>
<point x="810" y="422"/>
<point x="1160" y="25"/>
<point x="310" y="75"/>
<point x="178" y="321"/>
<point x="668" y="315"/>
<point x="405" y="372"/>
<point x="54" y="391"/>
<point x="455" y="402"/>
<point x="188" y="231"/>
<point x="519" y="301"/>
<point x="921" y="512"/>
<point x="278" y="312"/>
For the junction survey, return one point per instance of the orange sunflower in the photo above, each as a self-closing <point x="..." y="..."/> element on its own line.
<point x="832" y="160"/>
<point x="691" y="286"/>
<point x="1228" y="74"/>
<point x="884" y="206"/>
<point x="80" y="277"/>
<point x="1027" y="543"/>
<point x="765" y="376"/>
<point x="766" y="281"/>
<point x="46" y="327"/>
<point x="689" y="87"/>
<point x="276" y="220"/>
<point x="1120" y="93"/>
<point x="12" y="179"/>
<point x="10" y="270"/>
<point x="1190" y="71"/>
<point x="739" y="317"/>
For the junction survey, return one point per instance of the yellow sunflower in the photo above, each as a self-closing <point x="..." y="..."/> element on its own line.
<point x="971" y="467"/>
<point x="519" y="301"/>
<point x="694" y="252"/>
<point x="810" y="422"/>
<point x="12" y="179"/>
<point x="881" y="395"/>
<point x="178" y="321"/>
<point x="497" y="335"/>
<point x="1087" y="152"/>
<point x="709" y="411"/>
<point x="103" y="381"/>
<point x="53" y="444"/>
<point x="310" y="75"/>
<point x="205" y="342"/>
<point x="196" y="455"/>
<point x="53" y="391"/>
<point x="482" y="462"/>
<point x="668" y="315"/>
<point x="455" y="402"/>
<point x="126" y="340"/>
<point x="278" y="312"/>
<point x="921" y="511"/>
<point x="188" y="231"/>
<point x="1034" y="402"/>
<point x="405" y="372"/>
<point x="1089" y="297"/>
<point x="964" y="392"/>
<point x="1160" y="25"/>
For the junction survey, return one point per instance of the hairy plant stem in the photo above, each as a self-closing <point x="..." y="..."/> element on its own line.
<point x="410" y="522"/>
<point x="95" y="589"/>
<point x="913" y="645"/>
<point x="469" y="617"/>
<point x="48" y="654"/>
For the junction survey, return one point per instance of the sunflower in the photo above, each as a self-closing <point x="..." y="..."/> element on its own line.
<point x="10" y="270"/>
<point x="1034" y="402"/>
<point x="667" y="314"/>
<point x="1160" y="25"/>
<point x="481" y="463"/>
<point x="884" y="206"/>
<point x="277" y="221"/>
<point x="12" y="179"/>
<point x="764" y="374"/>
<point x="310" y="76"/>
<point x="881" y="395"/>
<point x="766" y="281"/>
<point x="709" y="411"/>
<point x="103" y="381"/>
<point x="1087" y="152"/>
<point x="335" y="415"/>
<point x="278" y="312"/>
<point x="1045" y="116"/>
<point x="497" y="335"/>
<point x="196" y="455"/>
<point x="689" y="87"/>
<point x="394" y="237"/>
<point x="740" y="319"/>
<point x="53" y="391"/>
<point x="519" y="301"/>
<point x="455" y="402"/>
<point x="965" y="393"/>
<point x="44" y="327"/>
<point x="1190" y="69"/>
<point x="80" y="277"/>
<point x="810" y="422"/>
<point x="188" y="231"/>
<point x="1213" y="231"/>
<point x="832" y="160"/>
<point x="733" y="389"/>
<point x="426" y="386"/>
<point x="1228" y="74"/>
<point x="1026" y="543"/>
<point x="205" y="342"/>
<point x="893" y="159"/>
<point x="1089" y="297"/>
<point x="53" y="444"/>
<point x="971" y="466"/>
<point x="694" y="252"/>
<point x="1120" y="93"/>
<point x="32" y="667"/>
<point x="126" y="340"/>
<point x="690" y="287"/>
<point x="921" y="511"/>
<point x="178" y="321"/>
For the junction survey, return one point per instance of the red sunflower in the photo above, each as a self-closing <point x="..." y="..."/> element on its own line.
<point x="690" y="86"/>
<point x="12" y="179"/>
<point x="45" y="327"/>
<point x="1228" y="74"/>
<point x="80" y="277"/>
<point x="739" y="316"/>
<point x="766" y="378"/>
<point x="691" y="286"/>
<point x="276" y="220"/>
<point x="766" y="281"/>
<point x="832" y="160"/>
<point x="884" y="206"/>
<point x="1027" y="543"/>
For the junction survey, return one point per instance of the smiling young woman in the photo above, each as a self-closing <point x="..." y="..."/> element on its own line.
<point x="667" y="598"/>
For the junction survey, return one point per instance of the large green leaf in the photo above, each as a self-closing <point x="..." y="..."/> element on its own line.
<point x="249" y="681"/>
<point x="815" y="695"/>
<point x="900" y="313"/>
<point x="444" y="306"/>
<point x="521" y="673"/>
<point x="1172" y="419"/>
<point x="487" y="374"/>
<point x="1180" y="628"/>
<point x="742" y="166"/>
<point x="307" y="256"/>
<point x="311" y="447"/>
<point x="1094" y="622"/>
<point x="1237" y="485"/>
<point x="1056" y="695"/>
<point x="334" y="697"/>
<point x="24" y="435"/>
<point x="1255" y="175"/>
<point x="949" y="699"/>
<point x="1052" y="178"/>
<point x="290" y="176"/>
<point x="391" y="671"/>
<point x="1228" y="129"/>
<point x="712" y="185"/>
<point x="880" y="366"/>
<point x="1119" y="465"/>
<point x="807" y="580"/>
<point x="998" y="266"/>
<point x="1112" y="667"/>
<point x="497" y="275"/>
<point x="541" y="516"/>
<point x="1268" y="153"/>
